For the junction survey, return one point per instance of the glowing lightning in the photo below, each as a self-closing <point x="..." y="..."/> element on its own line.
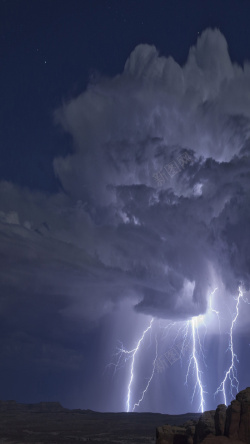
<point x="134" y="351"/>
<point x="193" y="358"/>
<point x="191" y="337"/>
<point x="231" y="373"/>
<point x="150" y="379"/>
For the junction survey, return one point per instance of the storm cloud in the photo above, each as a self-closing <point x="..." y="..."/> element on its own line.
<point x="114" y="232"/>
<point x="172" y="240"/>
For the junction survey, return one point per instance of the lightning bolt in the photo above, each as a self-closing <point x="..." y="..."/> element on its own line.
<point x="197" y="346"/>
<point x="231" y="373"/>
<point x="193" y="359"/>
<point x="191" y="336"/>
<point x="133" y="354"/>
<point x="151" y="377"/>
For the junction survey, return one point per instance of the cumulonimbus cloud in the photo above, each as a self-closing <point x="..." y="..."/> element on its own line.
<point x="167" y="243"/>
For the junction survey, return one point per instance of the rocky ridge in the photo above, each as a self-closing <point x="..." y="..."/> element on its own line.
<point x="225" y="425"/>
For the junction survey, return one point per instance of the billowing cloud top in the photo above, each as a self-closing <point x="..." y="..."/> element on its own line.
<point x="156" y="190"/>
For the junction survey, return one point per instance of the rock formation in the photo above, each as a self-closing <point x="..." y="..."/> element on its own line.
<point x="225" y="425"/>
<point x="220" y="420"/>
<point x="205" y="426"/>
<point x="168" y="434"/>
<point x="238" y="417"/>
<point x="184" y="434"/>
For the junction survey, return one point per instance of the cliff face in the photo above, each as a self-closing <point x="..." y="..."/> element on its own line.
<point x="225" y="425"/>
<point x="238" y="417"/>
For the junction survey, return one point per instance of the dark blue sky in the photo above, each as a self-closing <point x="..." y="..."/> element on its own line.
<point x="97" y="98"/>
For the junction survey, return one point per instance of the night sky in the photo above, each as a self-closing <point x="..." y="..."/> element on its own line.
<point x="124" y="202"/>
